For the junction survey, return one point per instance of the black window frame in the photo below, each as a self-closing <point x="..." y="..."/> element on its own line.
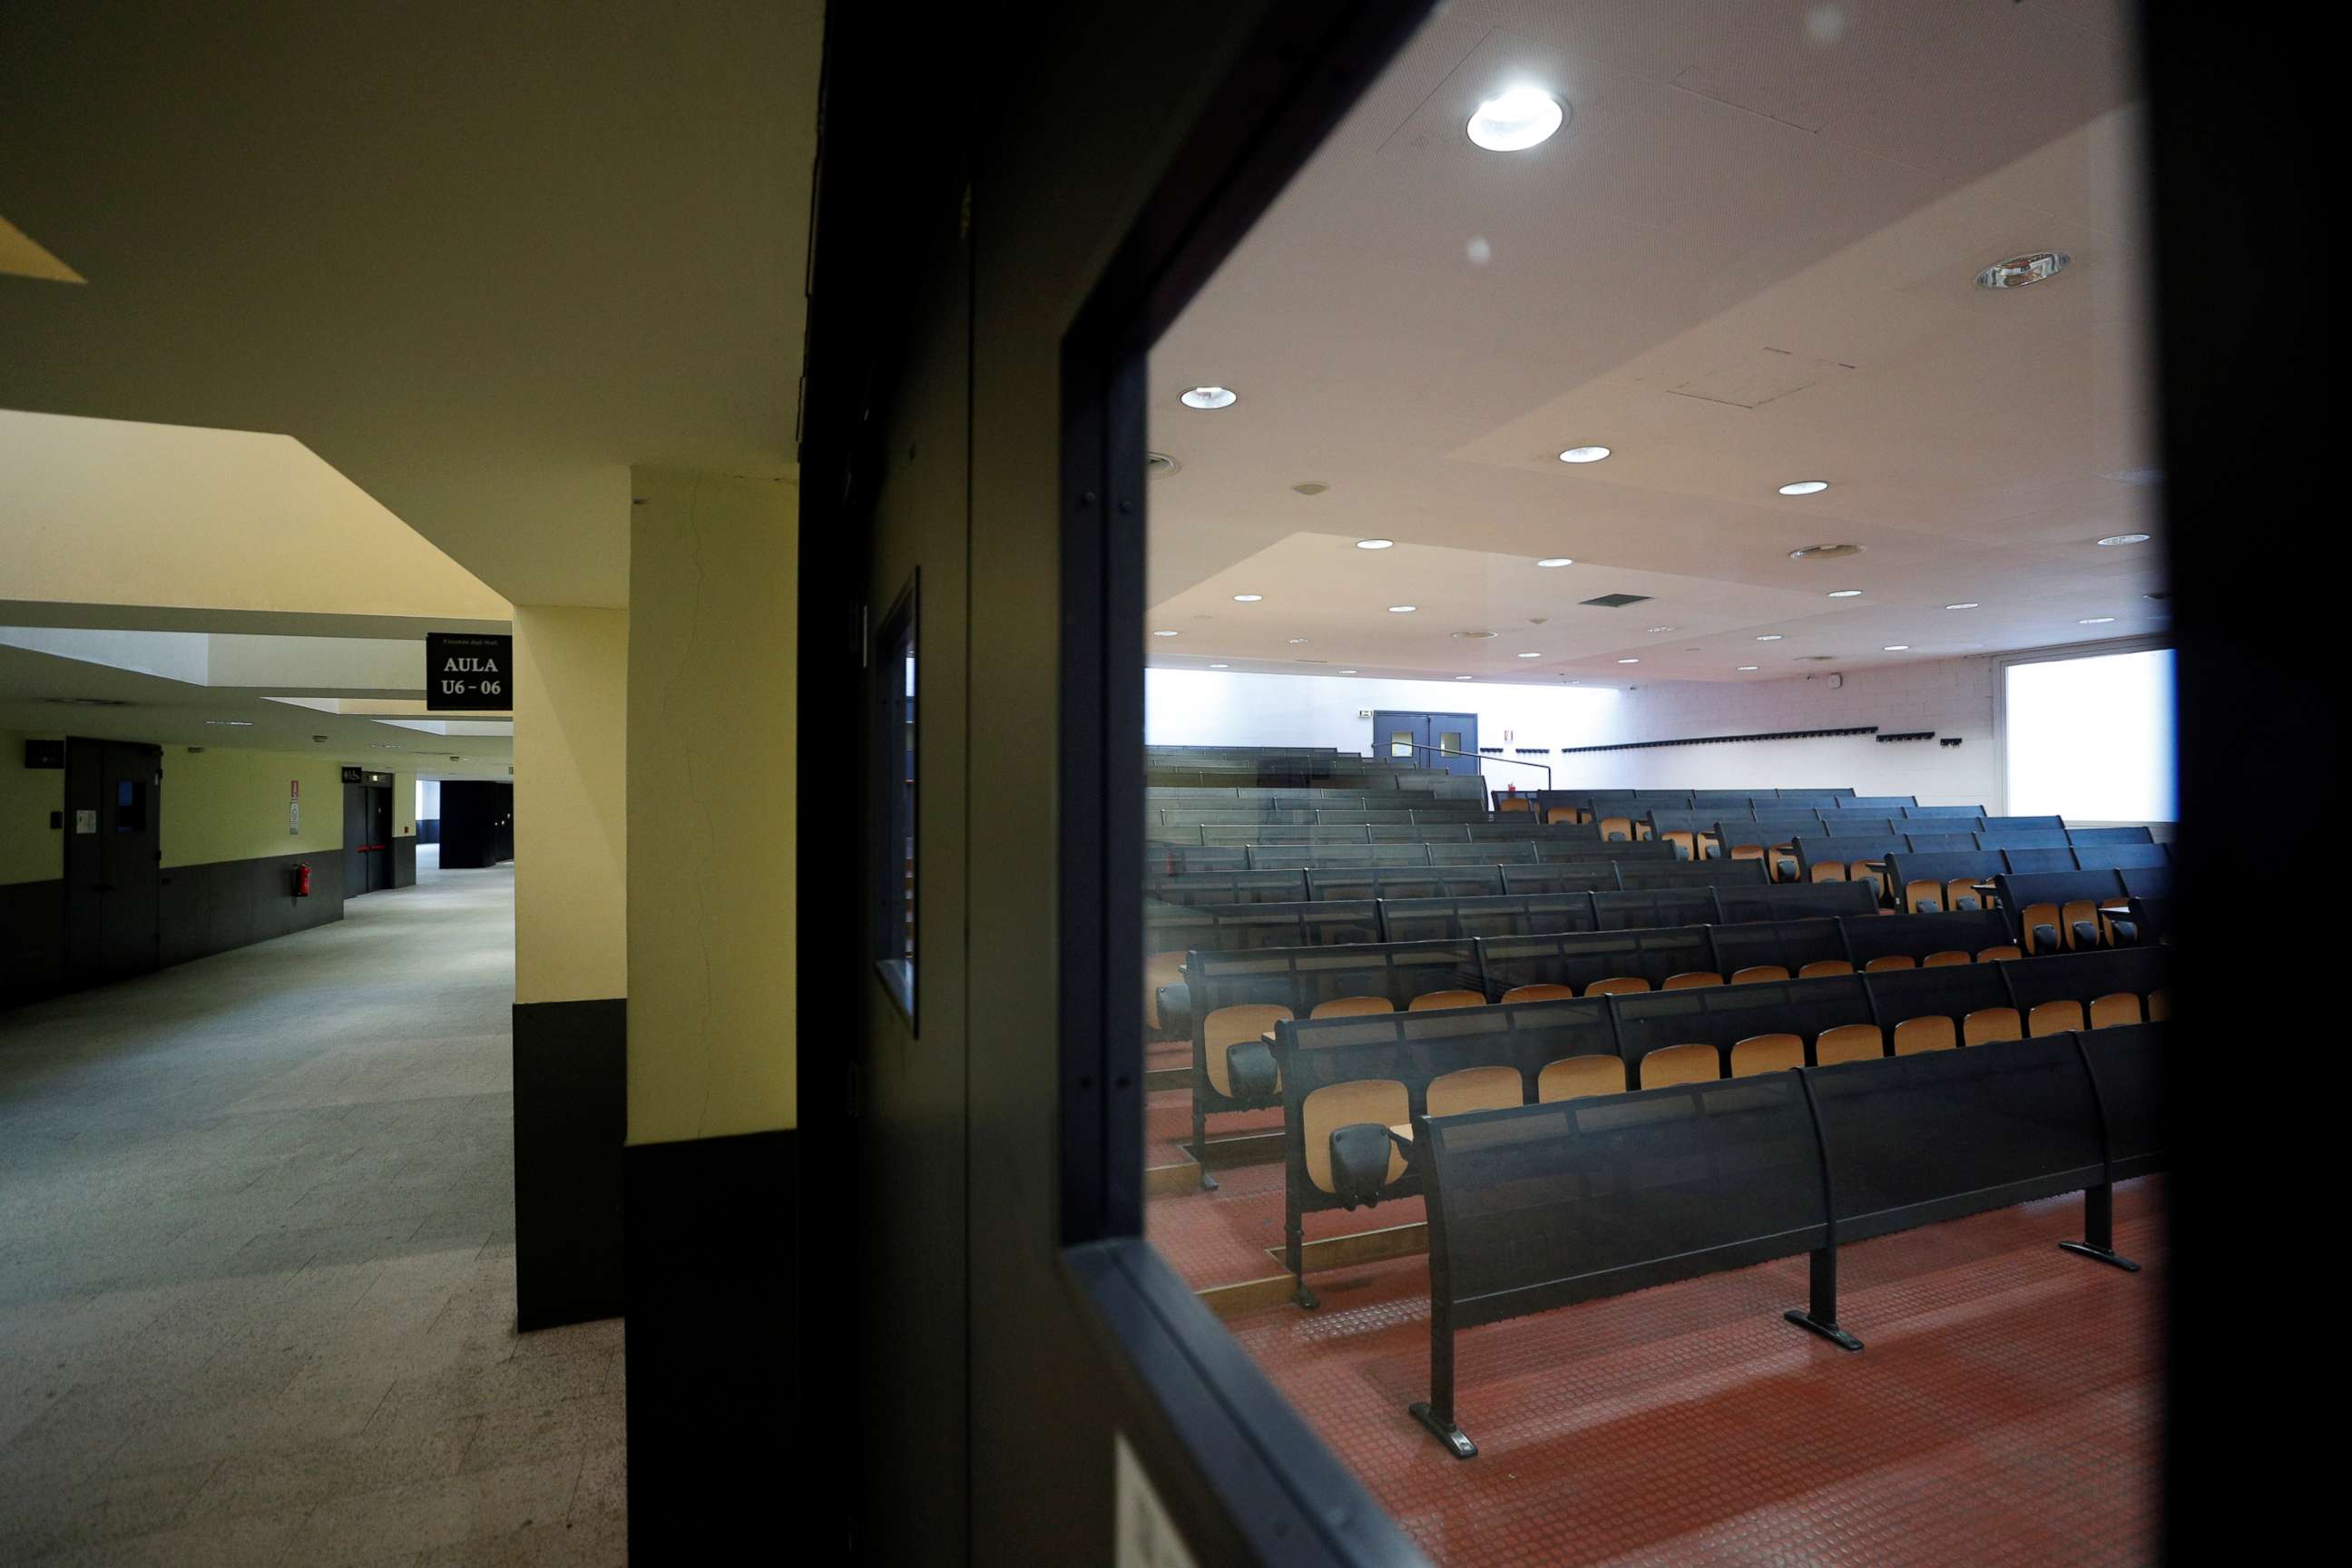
<point x="897" y="904"/>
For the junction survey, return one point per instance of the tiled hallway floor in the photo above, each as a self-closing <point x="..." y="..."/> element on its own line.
<point x="256" y="1264"/>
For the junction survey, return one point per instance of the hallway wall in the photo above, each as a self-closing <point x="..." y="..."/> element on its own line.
<point x="229" y="852"/>
<point x="32" y="876"/>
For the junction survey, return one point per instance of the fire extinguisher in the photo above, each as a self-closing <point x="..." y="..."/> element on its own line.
<point x="302" y="881"/>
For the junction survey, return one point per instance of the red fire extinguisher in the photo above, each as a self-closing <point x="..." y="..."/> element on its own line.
<point x="303" y="881"/>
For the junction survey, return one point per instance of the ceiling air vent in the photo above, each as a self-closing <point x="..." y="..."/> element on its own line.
<point x="1825" y="553"/>
<point x="1159" y="465"/>
<point x="1816" y="658"/>
<point x="1616" y="601"/>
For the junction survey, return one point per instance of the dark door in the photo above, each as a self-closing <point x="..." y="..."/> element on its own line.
<point x="1428" y="740"/>
<point x="114" y="792"/>
<point x="379" y="838"/>
<point x="355" y="838"/>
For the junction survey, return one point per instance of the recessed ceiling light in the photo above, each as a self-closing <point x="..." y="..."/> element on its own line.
<point x="2018" y="272"/>
<point x="1209" y="398"/>
<point x="1845" y="592"/>
<point x="1896" y="647"/>
<point x="1629" y="661"/>
<point x="232" y="723"/>
<point x="2126" y="538"/>
<point x="1584" y="454"/>
<point x="1296" y="641"/>
<point x="1347" y="672"/>
<point x="1805" y="487"/>
<point x="1163" y="634"/>
<point x="1310" y="487"/>
<point x="1552" y="560"/>
<point x="1749" y="666"/>
<point x="1963" y="604"/>
<point x="1221" y="667"/>
<point x="1516" y="119"/>
<point x="1247" y="598"/>
<point x="2095" y="620"/>
<point x="1159" y="465"/>
<point x="1770" y="636"/>
<point x="1475" y="636"/>
<point x="1462" y="677"/>
<point x="1402" y="609"/>
<point x="1530" y="655"/>
<point x="1662" y="628"/>
<point x="1375" y="543"/>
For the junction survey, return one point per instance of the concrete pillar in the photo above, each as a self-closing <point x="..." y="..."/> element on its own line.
<point x="570" y="959"/>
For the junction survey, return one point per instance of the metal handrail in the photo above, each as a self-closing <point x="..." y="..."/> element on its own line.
<point x="1481" y="757"/>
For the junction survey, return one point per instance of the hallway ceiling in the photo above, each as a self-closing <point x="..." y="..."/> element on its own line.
<point x="1748" y="259"/>
<point x="480" y="260"/>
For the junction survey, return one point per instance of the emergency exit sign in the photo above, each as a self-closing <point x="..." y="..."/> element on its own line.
<point x="468" y="673"/>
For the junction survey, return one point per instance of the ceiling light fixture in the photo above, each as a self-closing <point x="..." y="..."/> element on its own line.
<point x="2126" y="538"/>
<point x="1210" y="397"/>
<point x="1163" y="634"/>
<point x="232" y="723"/>
<point x="1629" y="661"/>
<point x="1347" y="672"/>
<point x="2021" y="271"/>
<point x="1376" y="544"/>
<point x="1805" y="487"/>
<point x="1963" y="604"/>
<point x="1747" y="667"/>
<point x="1824" y="552"/>
<point x="1896" y="647"/>
<point x="1516" y="119"/>
<point x="1662" y="628"/>
<point x="1845" y="592"/>
<point x="1221" y="667"/>
<point x="1549" y="561"/>
<point x="1296" y="641"/>
<point x="1462" y="677"/>
<point x="1247" y="598"/>
<point x="1530" y="655"/>
<point x="1402" y="609"/>
<point x="1770" y="636"/>
<point x="2095" y="620"/>
<point x="1584" y="454"/>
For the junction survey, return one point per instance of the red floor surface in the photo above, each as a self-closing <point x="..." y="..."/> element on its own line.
<point x="1168" y="1125"/>
<point x="2004" y="1411"/>
<point x="1220" y="1237"/>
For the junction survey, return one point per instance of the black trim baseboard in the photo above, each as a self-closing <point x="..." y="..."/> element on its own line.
<point x="571" y="1117"/>
<point x="224" y="904"/>
<point x="714" y="1305"/>
<point x="32" y="940"/>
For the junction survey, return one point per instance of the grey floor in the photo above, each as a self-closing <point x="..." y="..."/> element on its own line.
<point x="256" y="1264"/>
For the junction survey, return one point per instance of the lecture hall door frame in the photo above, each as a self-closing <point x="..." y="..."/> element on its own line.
<point x="1397" y="734"/>
<point x="113" y="860"/>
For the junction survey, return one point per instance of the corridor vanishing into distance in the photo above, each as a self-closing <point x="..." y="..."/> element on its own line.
<point x="256" y="1264"/>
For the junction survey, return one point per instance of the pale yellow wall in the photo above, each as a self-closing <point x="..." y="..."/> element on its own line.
<point x="30" y="849"/>
<point x="223" y="805"/>
<point x="571" y="826"/>
<point x="713" y="569"/>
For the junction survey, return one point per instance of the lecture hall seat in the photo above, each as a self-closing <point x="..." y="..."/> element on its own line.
<point x="1573" y="1077"/>
<point x="1757" y="974"/>
<point x="1849" y="1043"/>
<point x="1437" y="1001"/>
<point x="1476" y="1089"/>
<point x="1767" y="1053"/>
<point x="1932" y="1033"/>
<point x="1352" y="1007"/>
<point x="1230" y="1026"/>
<point x="1381" y="1101"/>
<point x="2061" y="1016"/>
<point x="1681" y="1064"/>
<point x="1987" y="1024"/>
<point x="1691" y="980"/>
<point x="2116" y="1007"/>
<point x="1821" y="967"/>
<point x="1542" y="992"/>
<point x="1617" y="985"/>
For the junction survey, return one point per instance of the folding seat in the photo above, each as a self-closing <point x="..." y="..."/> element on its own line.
<point x="1516" y="803"/>
<point x="1572" y="1077"/>
<point x="1617" y="985"/>
<point x="1380" y="1101"/>
<point x="1767" y="1053"/>
<point x="1616" y="828"/>
<point x="1476" y="1089"/>
<point x="1885" y="961"/>
<point x="1757" y="972"/>
<point x="1240" y="1025"/>
<point x="1159" y="968"/>
<point x="1987" y="1024"/>
<point x="1998" y="954"/>
<point x="2055" y="1017"/>
<point x="1939" y="959"/>
<point x="1546" y="992"/>
<point x="1849" y="1043"/>
<point x="1684" y="841"/>
<point x="1561" y="814"/>
<point x="1822" y="966"/>
<point x="1932" y="1033"/>
<point x="1352" y="1007"/>
<point x="2040" y="924"/>
<point x="2083" y="927"/>
<point x="1432" y="1001"/>
<point x="2116" y="1007"/>
<point x="1864" y="871"/>
<point x="1689" y="980"/>
<point x="1923" y="896"/>
<point x="1681" y="1064"/>
<point x="1960" y="893"/>
<point x="2159" y="1006"/>
<point x="1828" y="871"/>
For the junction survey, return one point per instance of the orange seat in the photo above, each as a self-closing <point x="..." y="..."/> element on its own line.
<point x="2116" y="1007"/>
<point x="2055" y="1017"/>
<point x="2042" y="915"/>
<point x="1767" y="1053"/>
<point x="1943" y="959"/>
<point x="1352" y="1007"/>
<point x="1681" y="1064"/>
<point x="1230" y="1026"/>
<point x="1476" y="1089"/>
<point x="1919" y="891"/>
<point x="1562" y="813"/>
<point x="1377" y="1099"/>
<point x="1998" y="954"/>
<point x="1433" y="1001"/>
<point x="1822" y="966"/>
<point x="2084" y="911"/>
<point x="1757" y="974"/>
<point x="1619" y="828"/>
<point x="1516" y="803"/>
<point x="1885" y="961"/>
<point x="1828" y="871"/>
<point x="1932" y="1033"/>
<point x="1572" y="1077"/>
<point x="1691" y="980"/>
<point x="1159" y="968"/>
<point x="1546" y="992"/>
<point x="1958" y="888"/>
<point x="1682" y="839"/>
<point x="1849" y="1043"/>
<point x="1617" y="985"/>
<point x="2159" y="1006"/>
<point x="1987" y="1024"/>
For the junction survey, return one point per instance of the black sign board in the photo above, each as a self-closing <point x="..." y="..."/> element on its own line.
<point x="465" y="672"/>
<point x="45" y="754"/>
<point x="353" y="775"/>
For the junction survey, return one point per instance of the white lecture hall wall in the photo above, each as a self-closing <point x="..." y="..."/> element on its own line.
<point x="1950" y="697"/>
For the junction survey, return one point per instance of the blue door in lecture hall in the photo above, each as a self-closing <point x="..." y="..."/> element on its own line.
<point x="1424" y="739"/>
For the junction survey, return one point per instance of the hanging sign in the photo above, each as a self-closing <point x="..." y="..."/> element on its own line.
<point x="465" y="672"/>
<point x="293" y="807"/>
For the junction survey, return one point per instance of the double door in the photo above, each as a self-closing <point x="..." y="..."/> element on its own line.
<point x="113" y="824"/>
<point x="1446" y="742"/>
<point x="367" y="838"/>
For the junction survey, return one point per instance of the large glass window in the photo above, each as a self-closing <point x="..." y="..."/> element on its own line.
<point x="2091" y="739"/>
